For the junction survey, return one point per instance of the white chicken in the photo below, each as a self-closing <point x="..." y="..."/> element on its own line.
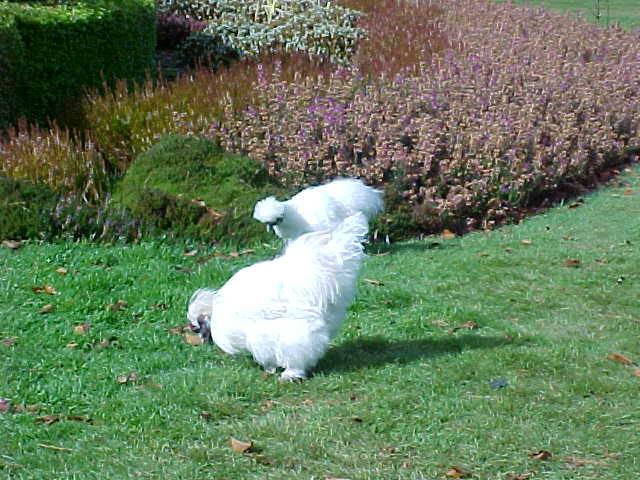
<point x="286" y="310"/>
<point x="319" y="208"/>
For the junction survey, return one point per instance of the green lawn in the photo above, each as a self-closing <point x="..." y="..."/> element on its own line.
<point x="407" y="391"/>
<point x="603" y="12"/>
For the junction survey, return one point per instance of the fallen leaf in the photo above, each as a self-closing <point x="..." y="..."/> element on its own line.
<point x="72" y="345"/>
<point x="190" y="253"/>
<point x="617" y="357"/>
<point x="602" y="260"/>
<point x="353" y="397"/>
<point x="159" y="306"/>
<point x="470" y="325"/>
<point x="130" y="377"/>
<point x="448" y="234"/>
<point x="118" y="306"/>
<point x="180" y="330"/>
<point x="9" y="341"/>
<point x="518" y="476"/>
<point x="4" y="404"/>
<point x="541" y="455"/>
<point x="376" y="283"/>
<point x="636" y="372"/>
<point x="248" y="251"/>
<point x="239" y="445"/>
<point x="82" y="328"/>
<point x="567" y="238"/>
<point x="48" y="308"/>
<point x="205" y="416"/>
<point x="572" y="263"/>
<point x="526" y="242"/>
<point x="483" y="254"/>
<point x="62" y="271"/>
<point x="48" y="419"/>
<point x="336" y="478"/>
<point x="307" y="402"/>
<point x="45" y="289"/>
<point x="628" y="191"/>
<point x="456" y="472"/>
<point x="104" y="343"/>
<point x="12" y="244"/>
<point x="193" y="339"/>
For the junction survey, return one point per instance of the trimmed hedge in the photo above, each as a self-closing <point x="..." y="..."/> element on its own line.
<point x="58" y="51"/>
<point x="11" y="48"/>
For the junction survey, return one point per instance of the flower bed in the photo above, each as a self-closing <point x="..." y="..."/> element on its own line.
<point x="526" y="101"/>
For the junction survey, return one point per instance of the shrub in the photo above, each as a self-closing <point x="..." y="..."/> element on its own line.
<point x="480" y="133"/>
<point x="11" y="48"/>
<point x="205" y="49"/>
<point x="55" y="158"/>
<point x="173" y="29"/>
<point x="314" y="27"/>
<point x="191" y="186"/>
<point x="72" y="46"/>
<point x="24" y="208"/>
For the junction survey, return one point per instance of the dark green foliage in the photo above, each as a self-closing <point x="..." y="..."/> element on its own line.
<point x="24" y="209"/>
<point x="204" y="48"/>
<point x="70" y="47"/>
<point x="190" y="186"/>
<point x="11" y="47"/>
<point x="173" y="29"/>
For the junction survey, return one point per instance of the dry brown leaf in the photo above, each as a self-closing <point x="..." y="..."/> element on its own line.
<point x="118" y="306"/>
<point x="12" y="244"/>
<point x="336" y="478"/>
<point x="456" y="472"/>
<point x="628" y="191"/>
<point x="376" y="283"/>
<point x="617" y="357"/>
<point x="159" y="306"/>
<point x="573" y="263"/>
<point x="180" y="330"/>
<point x="45" y="289"/>
<point x="130" y="377"/>
<point x="471" y="325"/>
<point x="9" y="341"/>
<point x="307" y="402"/>
<point x="602" y="260"/>
<point x="519" y="476"/>
<point x="48" y="419"/>
<point x="239" y="445"/>
<point x="448" y="234"/>
<point x="567" y="238"/>
<point x="4" y="404"/>
<point x="526" y="241"/>
<point x="190" y="253"/>
<point x="541" y="455"/>
<point x="82" y="328"/>
<point x="62" y="271"/>
<point x="104" y="343"/>
<point x="193" y="339"/>
<point x="48" y="308"/>
<point x="72" y="345"/>
<point x="636" y="372"/>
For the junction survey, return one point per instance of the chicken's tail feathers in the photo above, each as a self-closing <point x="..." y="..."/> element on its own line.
<point x="356" y="196"/>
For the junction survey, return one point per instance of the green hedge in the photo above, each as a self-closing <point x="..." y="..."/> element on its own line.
<point x="11" y="48"/>
<point x="65" y="48"/>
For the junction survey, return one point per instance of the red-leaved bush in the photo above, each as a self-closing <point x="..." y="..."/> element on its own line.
<point x="524" y="102"/>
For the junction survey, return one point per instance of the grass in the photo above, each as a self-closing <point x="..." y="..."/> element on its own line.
<point x="407" y="391"/>
<point x="602" y="12"/>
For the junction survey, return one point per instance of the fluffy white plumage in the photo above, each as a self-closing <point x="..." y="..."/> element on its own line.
<point x="286" y="310"/>
<point x="319" y="208"/>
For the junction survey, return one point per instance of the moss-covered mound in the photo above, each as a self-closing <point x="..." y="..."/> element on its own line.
<point x="192" y="187"/>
